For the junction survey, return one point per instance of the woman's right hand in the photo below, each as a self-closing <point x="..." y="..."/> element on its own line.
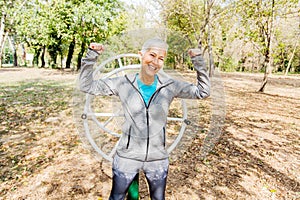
<point x="97" y="47"/>
<point x="194" y="52"/>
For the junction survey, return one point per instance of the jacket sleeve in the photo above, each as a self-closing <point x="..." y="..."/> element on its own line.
<point x="203" y="81"/>
<point x="87" y="83"/>
<point x="202" y="89"/>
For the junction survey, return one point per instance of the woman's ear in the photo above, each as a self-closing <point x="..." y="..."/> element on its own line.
<point x="140" y="55"/>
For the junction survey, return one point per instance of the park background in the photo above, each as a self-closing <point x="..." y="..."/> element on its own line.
<point x="254" y="45"/>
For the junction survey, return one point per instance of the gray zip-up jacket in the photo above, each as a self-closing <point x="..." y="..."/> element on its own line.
<point x="144" y="130"/>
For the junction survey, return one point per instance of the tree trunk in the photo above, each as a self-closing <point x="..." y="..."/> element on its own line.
<point x="43" y="57"/>
<point x="209" y="4"/>
<point x="267" y="66"/>
<point x="13" y="48"/>
<point x="61" y="59"/>
<point x="70" y="54"/>
<point x="80" y="55"/>
<point x="36" y="56"/>
<point x="266" y="75"/>
<point x="15" y="58"/>
<point x="267" y="63"/>
<point x="55" y="50"/>
<point x="53" y="55"/>
<point x="210" y="53"/>
<point x="23" y="58"/>
<point x="2" y="35"/>
<point x="293" y="54"/>
<point x="2" y="47"/>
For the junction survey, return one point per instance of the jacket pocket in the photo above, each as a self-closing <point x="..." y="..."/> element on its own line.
<point x="128" y="139"/>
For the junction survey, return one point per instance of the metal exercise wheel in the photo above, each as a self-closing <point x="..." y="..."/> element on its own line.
<point x="103" y="119"/>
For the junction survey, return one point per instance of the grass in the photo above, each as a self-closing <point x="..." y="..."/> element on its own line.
<point x="24" y="108"/>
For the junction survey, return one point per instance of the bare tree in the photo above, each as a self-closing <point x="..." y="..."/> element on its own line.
<point x="293" y="54"/>
<point x="268" y="32"/>
<point x="3" y="35"/>
<point x="209" y="4"/>
<point x="4" y="17"/>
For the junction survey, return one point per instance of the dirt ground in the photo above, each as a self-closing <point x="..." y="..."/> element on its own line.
<point x="256" y="155"/>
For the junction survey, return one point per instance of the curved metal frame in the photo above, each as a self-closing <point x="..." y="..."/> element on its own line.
<point x="88" y="112"/>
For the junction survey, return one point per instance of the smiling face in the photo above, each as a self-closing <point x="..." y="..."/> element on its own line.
<point x="152" y="61"/>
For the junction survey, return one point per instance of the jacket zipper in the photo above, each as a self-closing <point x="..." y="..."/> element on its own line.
<point x="148" y="137"/>
<point x="128" y="141"/>
<point x="147" y="112"/>
<point x="147" y="116"/>
<point x="164" y="136"/>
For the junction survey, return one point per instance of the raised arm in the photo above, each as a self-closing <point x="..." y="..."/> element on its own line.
<point x="202" y="89"/>
<point x="203" y="82"/>
<point x="86" y="80"/>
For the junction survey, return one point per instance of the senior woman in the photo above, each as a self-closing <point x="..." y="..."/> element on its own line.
<point x="145" y="97"/>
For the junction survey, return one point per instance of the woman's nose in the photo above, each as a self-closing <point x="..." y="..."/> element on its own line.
<point x="155" y="60"/>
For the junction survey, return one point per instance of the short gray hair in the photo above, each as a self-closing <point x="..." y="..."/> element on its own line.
<point x="155" y="43"/>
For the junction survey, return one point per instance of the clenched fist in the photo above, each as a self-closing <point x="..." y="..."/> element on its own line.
<point x="97" y="47"/>
<point x="194" y="52"/>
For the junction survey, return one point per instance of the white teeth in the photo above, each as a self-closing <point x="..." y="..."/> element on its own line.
<point x="154" y="68"/>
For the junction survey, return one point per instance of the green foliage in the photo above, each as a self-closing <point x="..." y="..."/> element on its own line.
<point x="239" y="29"/>
<point x="227" y="65"/>
<point x="7" y="57"/>
<point x="259" y="21"/>
<point x="55" y="24"/>
<point x="187" y="18"/>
